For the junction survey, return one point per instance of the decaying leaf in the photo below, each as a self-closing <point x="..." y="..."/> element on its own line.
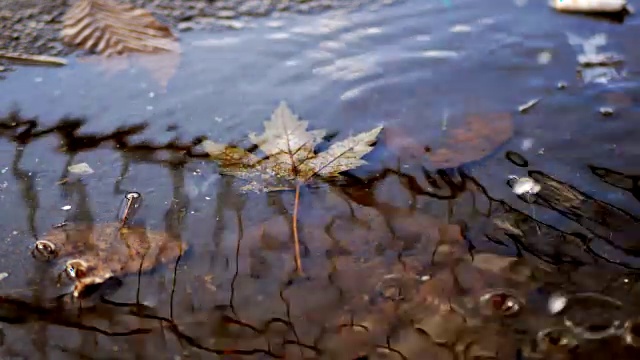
<point x="290" y="156"/>
<point x="478" y="137"/>
<point x="107" y="27"/>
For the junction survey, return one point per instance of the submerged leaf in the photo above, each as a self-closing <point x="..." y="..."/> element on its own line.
<point x="476" y="138"/>
<point x="289" y="154"/>
<point x="107" y="27"/>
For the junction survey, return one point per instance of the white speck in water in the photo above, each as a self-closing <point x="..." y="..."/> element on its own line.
<point x="440" y="54"/>
<point x="275" y="24"/>
<point x="14" y="232"/>
<point x="152" y="94"/>
<point x="544" y="57"/>
<point x="528" y="105"/>
<point x="557" y="303"/>
<point x="208" y="198"/>
<point x="520" y="3"/>
<point x="38" y="79"/>
<point x="527" y="144"/>
<point x="423" y="37"/>
<point x="460" y="28"/>
<point x="217" y="119"/>
<point x="4" y="170"/>
<point x="278" y="36"/>
<point x="486" y="21"/>
<point x="66" y="207"/>
<point x="3" y="275"/>
<point x="149" y="107"/>
<point x="525" y="185"/>
<point x="81" y="169"/>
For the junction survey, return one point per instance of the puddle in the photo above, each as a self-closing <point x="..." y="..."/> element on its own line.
<point x="427" y="251"/>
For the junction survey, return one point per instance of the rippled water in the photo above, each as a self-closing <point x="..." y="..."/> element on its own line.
<point x="388" y="269"/>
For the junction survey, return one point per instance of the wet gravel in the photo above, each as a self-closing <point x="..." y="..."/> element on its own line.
<point x="33" y="26"/>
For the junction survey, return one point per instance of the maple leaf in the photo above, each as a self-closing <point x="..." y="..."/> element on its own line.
<point x="290" y="156"/>
<point x="107" y="27"/>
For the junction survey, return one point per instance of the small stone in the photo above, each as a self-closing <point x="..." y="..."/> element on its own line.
<point x="186" y="26"/>
<point x="226" y="14"/>
<point x="606" y="111"/>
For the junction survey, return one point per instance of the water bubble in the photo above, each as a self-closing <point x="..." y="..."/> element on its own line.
<point x="44" y="250"/>
<point x="557" y="303"/>
<point x="554" y="338"/>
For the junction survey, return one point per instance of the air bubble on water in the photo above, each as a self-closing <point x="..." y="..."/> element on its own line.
<point x="557" y="303"/>
<point x="527" y="144"/>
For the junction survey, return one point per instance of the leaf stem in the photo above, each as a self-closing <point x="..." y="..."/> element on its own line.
<point x="296" y="242"/>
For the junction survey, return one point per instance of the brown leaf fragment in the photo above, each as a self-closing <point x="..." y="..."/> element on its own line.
<point x="107" y="27"/>
<point x="478" y="137"/>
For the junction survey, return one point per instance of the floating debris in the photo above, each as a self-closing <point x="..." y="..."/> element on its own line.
<point x="33" y="59"/>
<point x="66" y="207"/>
<point x="557" y="303"/>
<point x="526" y="107"/>
<point x="544" y="57"/>
<point x="81" y="169"/>
<point x="440" y="54"/>
<point x="524" y="185"/>
<point x="591" y="6"/>
<point x="561" y="85"/>
<point x="599" y="59"/>
<point x="3" y="276"/>
<point x="606" y="111"/>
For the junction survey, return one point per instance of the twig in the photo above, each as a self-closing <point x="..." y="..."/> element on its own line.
<point x="296" y="242"/>
<point x="33" y="59"/>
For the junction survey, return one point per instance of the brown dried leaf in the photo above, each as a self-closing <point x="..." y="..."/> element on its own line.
<point x="480" y="135"/>
<point x="290" y="156"/>
<point x="107" y="27"/>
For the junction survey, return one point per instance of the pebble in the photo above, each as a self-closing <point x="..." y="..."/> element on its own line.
<point x="606" y="111"/>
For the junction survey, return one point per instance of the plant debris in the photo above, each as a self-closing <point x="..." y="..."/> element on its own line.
<point x="290" y="159"/>
<point x="80" y="169"/>
<point x="591" y="6"/>
<point x="107" y="27"/>
<point x="290" y="155"/>
<point x="524" y="108"/>
<point x="33" y="59"/>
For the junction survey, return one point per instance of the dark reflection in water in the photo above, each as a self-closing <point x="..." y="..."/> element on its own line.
<point x="383" y="280"/>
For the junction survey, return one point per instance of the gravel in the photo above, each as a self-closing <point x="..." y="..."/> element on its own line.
<point x="33" y="26"/>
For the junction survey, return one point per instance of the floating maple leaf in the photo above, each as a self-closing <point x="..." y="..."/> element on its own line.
<point x="107" y="27"/>
<point x="290" y="157"/>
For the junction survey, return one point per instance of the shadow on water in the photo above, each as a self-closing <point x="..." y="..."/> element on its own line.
<point x="442" y="269"/>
